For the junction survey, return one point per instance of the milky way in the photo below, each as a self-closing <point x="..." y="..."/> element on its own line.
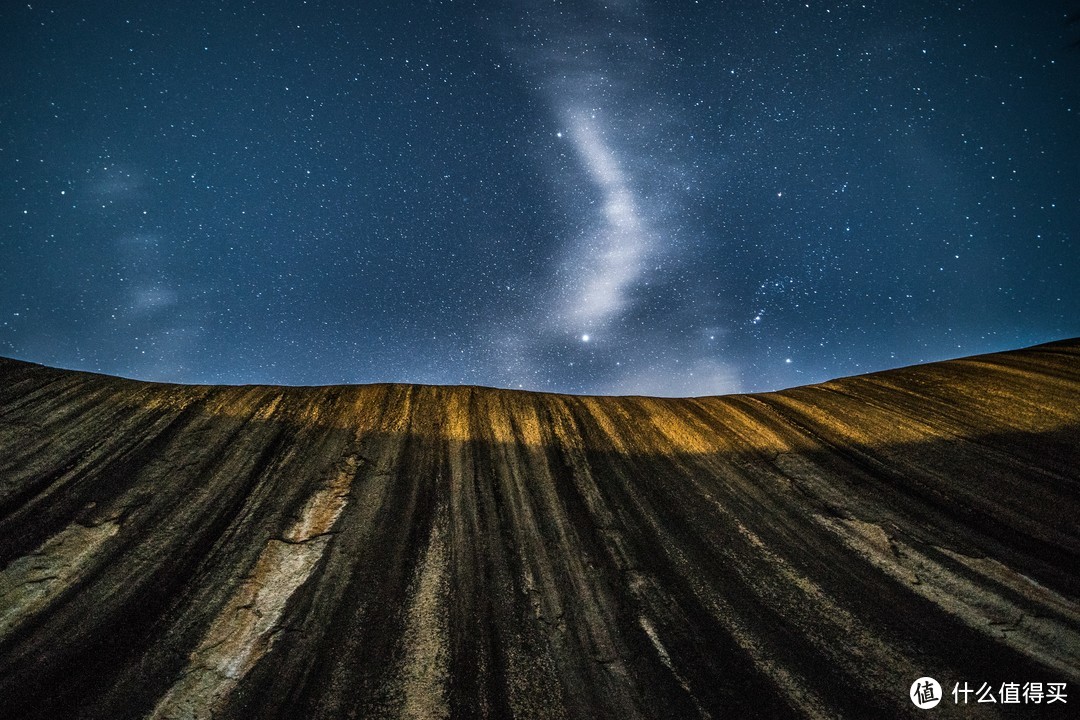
<point x="623" y="197"/>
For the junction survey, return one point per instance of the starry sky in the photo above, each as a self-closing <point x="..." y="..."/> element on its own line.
<point x="674" y="198"/>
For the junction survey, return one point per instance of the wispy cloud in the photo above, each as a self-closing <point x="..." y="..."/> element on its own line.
<point x="676" y="378"/>
<point x="594" y="82"/>
<point x="608" y="261"/>
<point x="585" y="79"/>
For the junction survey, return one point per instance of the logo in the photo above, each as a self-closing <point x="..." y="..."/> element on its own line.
<point x="925" y="693"/>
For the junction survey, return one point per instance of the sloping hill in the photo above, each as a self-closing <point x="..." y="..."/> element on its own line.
<point x="413" y="551"/>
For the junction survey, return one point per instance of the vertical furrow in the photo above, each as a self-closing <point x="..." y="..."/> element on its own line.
<point x="138" y="572"/>
<point x="376" y="561"/>
<point x="400" y="551"/>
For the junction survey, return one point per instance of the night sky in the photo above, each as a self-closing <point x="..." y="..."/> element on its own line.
<point x="622" y="197"/>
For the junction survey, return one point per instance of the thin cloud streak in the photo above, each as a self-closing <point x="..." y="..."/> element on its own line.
<point x="598" y="302"/>
<point x="611" y="261"/>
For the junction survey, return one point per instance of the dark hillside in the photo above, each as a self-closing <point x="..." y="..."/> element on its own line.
<point x="415" y="551"/>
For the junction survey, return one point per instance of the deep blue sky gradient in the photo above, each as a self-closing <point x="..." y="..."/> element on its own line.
<point x="622" y="197"/>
